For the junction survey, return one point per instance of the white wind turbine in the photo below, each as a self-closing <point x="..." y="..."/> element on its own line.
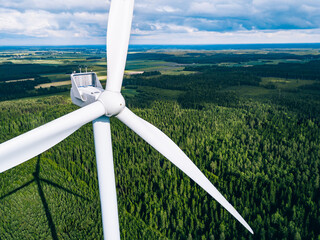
<point x="97" y="106"/>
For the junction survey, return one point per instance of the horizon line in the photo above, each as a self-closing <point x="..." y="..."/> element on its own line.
<point x="213" y="44"/>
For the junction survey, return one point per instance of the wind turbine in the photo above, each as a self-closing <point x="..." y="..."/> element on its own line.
<point x="98" y="105"/>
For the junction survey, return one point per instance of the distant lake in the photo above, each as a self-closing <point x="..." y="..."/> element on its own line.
<point x="178" y="47"/>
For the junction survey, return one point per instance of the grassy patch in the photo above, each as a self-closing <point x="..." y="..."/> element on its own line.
<point x="127" y="92"/>
<point x="176" y="71"/>
<point x="149" y="65"/>
<point x="283" y="83"/>
<point x="20" y="80"/>
<point x="250" y="91"/>
<point x="56" y="77"/>
<point x="54" y="84"/>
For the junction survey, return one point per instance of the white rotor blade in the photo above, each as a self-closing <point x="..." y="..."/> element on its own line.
<point x="38" y="140"/>
<point x="107" y="184"/>
<point x="119" y="27"/>
<point x="172" y="152"/>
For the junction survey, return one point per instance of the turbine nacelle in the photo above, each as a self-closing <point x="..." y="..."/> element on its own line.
<point x="86" y="88"/>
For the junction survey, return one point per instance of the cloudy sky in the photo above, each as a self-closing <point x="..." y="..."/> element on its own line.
<point x="79" y="22"/>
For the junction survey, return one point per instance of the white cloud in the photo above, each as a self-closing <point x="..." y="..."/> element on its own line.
<point x="181" y="21"/>
<point x="167" y="9"/>
<point x="43" y="24"/>
<point x="235" y="37"/>
<point x="30" y="23"/>
<point x="218" y="8"/>
<point x="56" y="5"/>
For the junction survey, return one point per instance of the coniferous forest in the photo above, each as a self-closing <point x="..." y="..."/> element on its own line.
<point x="253" y="131"/>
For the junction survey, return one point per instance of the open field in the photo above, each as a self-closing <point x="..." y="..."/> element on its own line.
<point x="259" y="62"/>
<point x="54" y="77"/>
<point x="20" y="80"/>
<point x="54" y="84"/>
<point x="263" y="90"/>
<point x="152" y="65"/>
<point x="250" y="91"/>
<point x="283" y="83"/>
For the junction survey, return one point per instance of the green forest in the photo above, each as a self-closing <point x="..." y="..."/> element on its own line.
<point x="253" y="131"/>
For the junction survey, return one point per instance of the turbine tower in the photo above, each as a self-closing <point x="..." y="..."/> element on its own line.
<point x="98" y="105"/>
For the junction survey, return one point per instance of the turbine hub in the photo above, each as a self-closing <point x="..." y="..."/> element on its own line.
<point x="113" y="102"/>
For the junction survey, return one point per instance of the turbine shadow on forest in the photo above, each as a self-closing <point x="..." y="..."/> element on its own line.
<point x="37" y="179"/>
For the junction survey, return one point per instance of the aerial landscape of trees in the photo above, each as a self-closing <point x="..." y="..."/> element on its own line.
<point x="259" y="145"/>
